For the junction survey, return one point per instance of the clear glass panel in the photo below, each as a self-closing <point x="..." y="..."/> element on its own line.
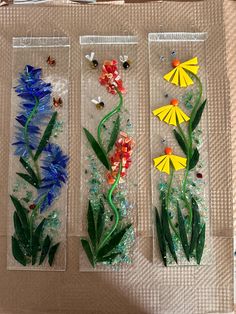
<point x="106" y="60"/>
<point x="171" y="136"/>
<point x="30" y="1"/>
<point x="38" y="154"/>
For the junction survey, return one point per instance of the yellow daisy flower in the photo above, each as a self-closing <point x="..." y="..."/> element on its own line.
<point x="162" y="163"/>
<point x="179" y="75"/>
<point x="171" y="113"/>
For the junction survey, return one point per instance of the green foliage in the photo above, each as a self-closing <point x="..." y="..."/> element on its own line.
<point x="166" y="230"/>
<point x="200" y="244"/>
<point x="194" y="159"/>
<point x="114" y="134"/>
<point x="28" y="241"/>
<point x="198" y="115"/>
<point x="96" y="226"/>
<point x="97" y="149"/>
<point x="181" y="142"/>
<point x="47" y="134"/>
<point x="31" y="177"/>
<point x="183" y="233"/>
<point x="161" y="237"/>
<point x="195" y="226"/>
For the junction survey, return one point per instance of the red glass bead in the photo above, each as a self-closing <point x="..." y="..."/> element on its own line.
<point x="199" y="175"/>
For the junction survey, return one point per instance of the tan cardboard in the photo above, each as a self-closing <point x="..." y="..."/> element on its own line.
<point x="146" y="288"/>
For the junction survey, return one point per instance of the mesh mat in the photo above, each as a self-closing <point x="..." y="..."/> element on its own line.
<point x="147" y="288"/>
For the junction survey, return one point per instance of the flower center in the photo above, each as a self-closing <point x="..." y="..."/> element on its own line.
<point x="168" y="151"/>
<point x="175" y="63"/>
<point x="174" y="102"/>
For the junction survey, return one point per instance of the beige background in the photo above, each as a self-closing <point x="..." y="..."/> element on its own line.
<point x="145" y="288"/>
<point x="230" y="18"/>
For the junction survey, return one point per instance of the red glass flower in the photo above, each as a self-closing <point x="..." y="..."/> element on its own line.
<point x="124" y="149"/>
<point x="110" y="77"/>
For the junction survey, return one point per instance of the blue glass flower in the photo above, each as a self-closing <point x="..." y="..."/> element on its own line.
<point x="31" y="85"/>
<point x="54" y="170"/>
<point x="35" y="105"/>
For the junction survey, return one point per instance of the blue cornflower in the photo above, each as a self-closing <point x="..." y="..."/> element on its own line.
<point x="44" y="109"/>
<point x="31" y="85"/>
<point x="36" y="95"/>
<point x="54" y="170"/>
<point x="21" y="147"/>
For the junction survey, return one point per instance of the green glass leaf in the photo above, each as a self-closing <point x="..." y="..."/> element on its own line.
<point x="28" y="179"/>
<point x="100" y="221"/>
<point x="19" y="232"/>
<point x="114" y="134"/>
<point x="45" y="248"/>
<point x="46" y="136"/>
<point x="30" y="171"/>
<point x="166" y="230"/>
<point x="200" y="244"/>
<point x="194" y="159"/>
<point x="182" y="232"/>
<point x="180" y="141"/>
<point x="88" y="251"/>
<point x="22" y="213"/>
<point x="109" y="258"/>
<point x="17" y="252"/>
<point x="161" y="237"/>
<point x="91" y="225"/>
<point x="198" y="115"/>
<point x="52" y="253"/>
<point x="97" y="149"/>
<point x="113" y="242"/>
<point x="195" y="226"/>
<point x="36" y="240"/>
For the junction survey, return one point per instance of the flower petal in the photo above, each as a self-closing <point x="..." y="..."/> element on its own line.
<point x="169" y="75"/>
<point x="173" y="116"/>
<point x="178" y="162"/>
<point x="182" y="114"/>
<point x="191" y="68"/>
<point x="162" y="111"/>
<point x="169" y="115"/>
<point x="162" y="163"/>
<point x="175" y="79"/>
<point x="179" y="116"/>
<point x="186" y="77"/>
<point x="159" y="110"/>
<point x="182" y="81"/>
<point x="166" y="167"/>
<point x="158" y="160"/>
<point x="165" y="112"/>
<point x="193" y="61"/>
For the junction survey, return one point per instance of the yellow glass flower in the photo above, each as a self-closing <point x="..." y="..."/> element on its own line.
<point x="162" y="163"/>
<point x="171" y="113"/>
<point x="179" y="75"/>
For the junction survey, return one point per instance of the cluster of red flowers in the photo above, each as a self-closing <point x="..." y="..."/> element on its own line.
<point x="124" y="149"/>
<point x="110" y="77"/>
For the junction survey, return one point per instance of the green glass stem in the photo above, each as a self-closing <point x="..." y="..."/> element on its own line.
<point x="189" y="145"/>
<point x="26" y="136"/>
<point x="110" y="192"/>
<point x="186" y="141"/>
<point x="107" y="117"/>
<point x="195" y="107"/>
<point x="183" y="135"/>
<point x="113" y="207"/>
<point x="168" y="202"/>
